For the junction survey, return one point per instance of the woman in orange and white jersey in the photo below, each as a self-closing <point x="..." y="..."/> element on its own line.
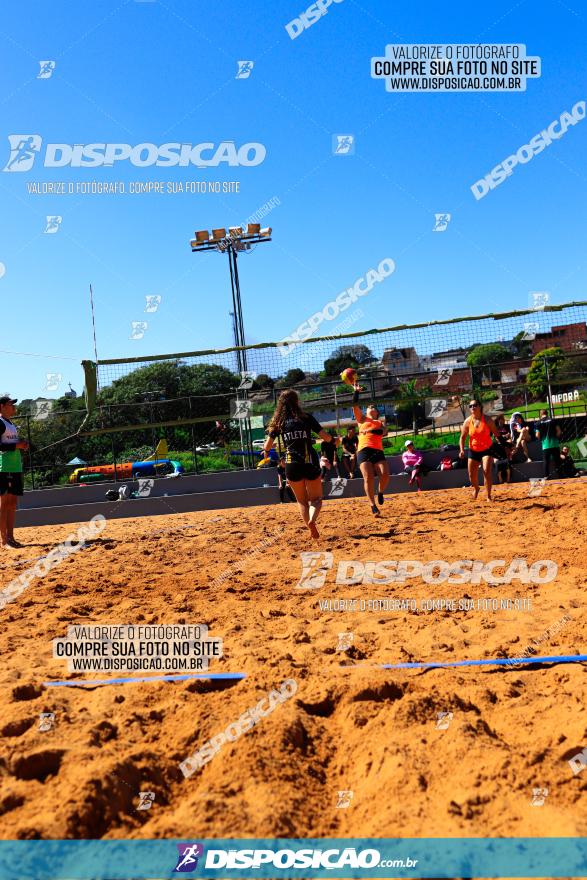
<point x="370" y="455"/>
<point x="482" y="449"/>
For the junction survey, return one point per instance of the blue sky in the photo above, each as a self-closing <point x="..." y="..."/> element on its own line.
<point x="160" y="72"/>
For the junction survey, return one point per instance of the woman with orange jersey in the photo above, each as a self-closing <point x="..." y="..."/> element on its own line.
<point x="479" y="428"/>
<point x="370" y="455"/>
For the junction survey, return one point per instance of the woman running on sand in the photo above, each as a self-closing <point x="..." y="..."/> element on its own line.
<point x="302" y="465"/>
<point x="479" y="428"/>
<point x="370" y="456"/>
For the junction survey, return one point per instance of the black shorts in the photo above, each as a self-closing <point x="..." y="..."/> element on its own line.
<point x="371" y="455"/>
<point x="475" y="455"/>
<point x="302" y="470"/>
<point x="11" y="484"/>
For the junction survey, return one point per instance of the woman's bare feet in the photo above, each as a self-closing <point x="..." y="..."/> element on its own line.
<point x="313" y="530"/>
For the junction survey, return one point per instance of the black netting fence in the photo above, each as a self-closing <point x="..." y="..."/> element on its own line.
<point x="398" y="351"/>
<point x="213" y="416"/>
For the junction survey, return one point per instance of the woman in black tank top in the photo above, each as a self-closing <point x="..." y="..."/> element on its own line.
<point x="302" y="465"/>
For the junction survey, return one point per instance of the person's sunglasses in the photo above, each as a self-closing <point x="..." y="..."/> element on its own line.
<point x="473" y="405"/>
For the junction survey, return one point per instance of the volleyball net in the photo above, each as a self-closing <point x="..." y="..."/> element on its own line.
<point x="213" y="406"/>
<point x="431" y="360"/>
<point x="415" y="347"/>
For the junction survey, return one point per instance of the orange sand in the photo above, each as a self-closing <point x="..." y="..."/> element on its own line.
<point x="368" y="730"/>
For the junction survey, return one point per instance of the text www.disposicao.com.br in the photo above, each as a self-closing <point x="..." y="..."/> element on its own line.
<point x="135" y="664"/>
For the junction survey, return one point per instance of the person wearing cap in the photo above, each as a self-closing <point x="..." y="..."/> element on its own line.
<point x="413" y="464"/>
<point x="548" y="431"/>
<point x="11" y="480"/>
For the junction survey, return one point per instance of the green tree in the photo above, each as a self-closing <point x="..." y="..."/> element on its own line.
<point x="536" y="380"/>
<point x="573" y="369"/>
<point x="477" y="393"/>
<point x="347" y="356"/>
<point x="263" y="381"/>
<point x="291" y="378"/>
<point x="410" y="397"/>
<point x="170" y="379"/>
<point x="520" y="346"/>
<point x="486" y="354"/>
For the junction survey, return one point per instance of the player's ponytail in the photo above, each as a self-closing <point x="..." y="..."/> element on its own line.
<point x="288" y="407"/>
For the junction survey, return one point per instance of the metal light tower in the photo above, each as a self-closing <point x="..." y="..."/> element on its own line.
<point x="233" y="243"/>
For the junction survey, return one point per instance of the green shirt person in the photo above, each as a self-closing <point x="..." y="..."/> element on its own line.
<point x="548" y="432"/>
<point x="11" y="479"/>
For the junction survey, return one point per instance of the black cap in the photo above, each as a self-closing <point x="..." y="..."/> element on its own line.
<point x="4" y="400"/>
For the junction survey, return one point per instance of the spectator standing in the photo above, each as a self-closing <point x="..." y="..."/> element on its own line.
<point x="548" y="432"/>
<point x="11" y="478"/>
<point x="350" y="444"/>
<point x="328" y="457"/>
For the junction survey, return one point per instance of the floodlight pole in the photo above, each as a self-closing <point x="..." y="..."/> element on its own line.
<point x="238" y="366"/>
<point x="237" y="305"/>
<point x="232" y="244"/>
<point x="241" y="355"/>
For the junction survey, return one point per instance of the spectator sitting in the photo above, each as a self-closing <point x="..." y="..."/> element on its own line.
<point x="414" y="464"/>
<point x="520" y="434"/>
<point x="502" y="429"/>
<point x="567" y="465"/>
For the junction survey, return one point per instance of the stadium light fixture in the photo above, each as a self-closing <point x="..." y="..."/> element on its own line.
<point x="233" y="243"/>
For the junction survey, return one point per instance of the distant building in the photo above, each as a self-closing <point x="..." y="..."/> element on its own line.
<point x="452" y="358"/>
<point x="399" y="361"/>
<point x="454" y="382"/>
<point x="71" y="393"/>
<point x="569" y="337"/>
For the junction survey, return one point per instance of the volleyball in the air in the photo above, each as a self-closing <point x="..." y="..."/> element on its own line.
<point x="349" y="376"/>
